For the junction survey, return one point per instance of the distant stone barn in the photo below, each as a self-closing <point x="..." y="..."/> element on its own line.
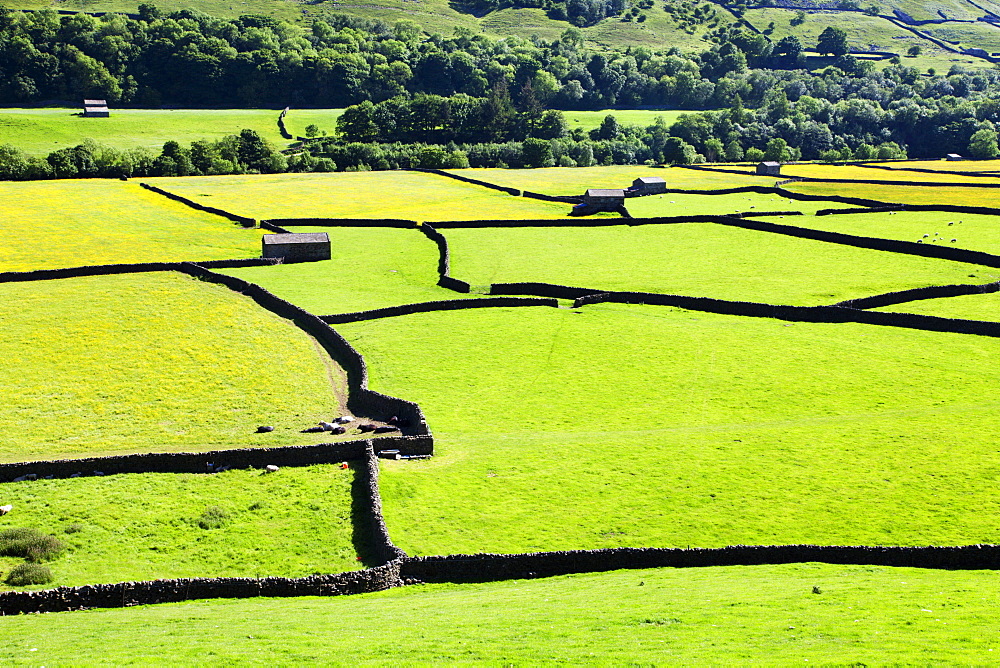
<point x="648" y="185"/>
<point x="604" y="199"/>
<point x="301" y="247"/>
<point x="95" y="109"/>
<point x="769" y="168"/>
<point x="954" y="157"/>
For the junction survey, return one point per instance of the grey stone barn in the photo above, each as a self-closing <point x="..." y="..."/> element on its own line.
<point x="604" y="200"/>
<point x="95" y="109"/>
<point x="769" y="168"/>
<point x="954" y="157"/>
<point x="648" y="185"/>
<point x="301" y="247"/>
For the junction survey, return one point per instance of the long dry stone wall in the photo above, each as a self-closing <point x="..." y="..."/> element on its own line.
<point x="916" y="294"/>
<point x="242" y="220"/>
<point x="111" y="269"/>
<point x="818" y="314"/>
<point x="341" y="222"/>
<point x="444" y="261"/>
<point x="209" y="461"/>
<point x="491" y="567"/>
<point x="465" y="179"/>
<point x="126" y="594"/>
<point x="361" y="400"/>
<point x="371" y="520"/>
<point x="442" y="305"/>
<point x="285" y="134"/>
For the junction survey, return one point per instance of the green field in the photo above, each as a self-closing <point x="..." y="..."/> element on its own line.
<point x="717" y="616"/>
<point x="654" y="426"/>
<point x="694" y="259"/>
<point x="293" y="523"/>
<point x="967" y="307"/>
<point x="589" y="120"/>
<point x="83" y="222"/>
<point x="153" y="362"/>
<point x="370" y="268"/>
<point x="395" y="194"/>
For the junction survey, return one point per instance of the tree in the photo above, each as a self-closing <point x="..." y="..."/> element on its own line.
<point x="913" y="51"/>
<point x="678" y="152"/>
<point x="537" y="153"/>
<point x="312" y="130"/>
<point x="832" y="41"/>
<point x="983" y="144"/>
<point x="787" y="51"/>
<point x="609" y="128"/>
<point x="777" y="150"/>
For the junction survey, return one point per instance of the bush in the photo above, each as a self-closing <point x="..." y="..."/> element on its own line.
<point x="30" y="544"/>
<point x="214" y="517"/>
<point x="28" y="574"/>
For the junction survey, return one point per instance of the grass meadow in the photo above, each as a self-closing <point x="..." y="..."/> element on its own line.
<point x="967" y="307"/>
<point x="39" y="131"/>
<point x="590" y="120"/>
<point x="369" y="268"/>
<point x="822" y="171"/>
<point x="945" y="165"/>
<point x="731" y="615"/>
<point x="97" y="221"/>
<point x="651" y="426"/>
<point x="695" y="259"/>
<point x="149" y="526"/>
<point x="153" y="362"/>
<point x="407" y="195"/>
<point x="915" y="194"/>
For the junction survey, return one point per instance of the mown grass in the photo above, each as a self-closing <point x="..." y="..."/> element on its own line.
<point x="150" y="362"/>
<point x="649" y="426"/>
<point x="407" y="195"/>
<point x="370" y="268"/>
<point x="666" y="616"/>
<point x="576" y="180"/>
<point x="52" y="224"/>
<point x="149" y="526"/>
<point x="695" y="259"/>
<point x="40" y="131"/>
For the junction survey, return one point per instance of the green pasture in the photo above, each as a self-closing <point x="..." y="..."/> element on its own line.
<point x="971" y="232"/>
<point x="150" y="526"/>
<point x="693" y="259"/>
<point x="679" y="204"/>
<point x="729" y="615"/>
<point x="590" y="120"/>
<point x="284" y="9"/>
<point x="43" y="130"/>
<point x="967" y="307"/>
<point x="945" y="165"/>
<point x="153" y="362"/>
<point x="395" y="194"/>
<point x="967" y="35"/>
<point x="866" y="33"/>
<point x="576" y="180"/>
<point x="369" y="268"/>
<point x="52" y="224"/>
<point x="614" y="425"/>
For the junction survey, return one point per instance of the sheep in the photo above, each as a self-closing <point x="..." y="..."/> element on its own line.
<point x="326" y="426"/>
<point x="338" y="430"/>
<point x="312" y="430"/>
<point x="6" y="509"/>
<point x="271" y="468"/>
<point x="926" y="235"/>
<point x="344" y="419"/>
<point x="264" y="430"/>
<point x="366" y="427"/>
<point x="954" y="240"/>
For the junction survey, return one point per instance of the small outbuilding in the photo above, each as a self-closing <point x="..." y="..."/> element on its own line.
<point x="604" y="199"/>
<point x="95" y="109"/>
<point x="769" y="168"/>
<point x="953" y="157"/>
<point x="301" y="247"/>
<point x="648" y="185"/>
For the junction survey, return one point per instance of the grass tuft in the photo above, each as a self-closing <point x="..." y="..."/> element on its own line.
<point x="28" y="574"/>
<point x="214" y="517"/>
<point x="30" y="544"/>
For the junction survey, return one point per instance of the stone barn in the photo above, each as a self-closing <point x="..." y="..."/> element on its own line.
<point x="604" y="200"/>
<point x="953" y="157"/>
<point x="301" y="247"/>
<point x="95" y="109"/>
<point x="648" y="185"/>
<point x="769" y="168"/>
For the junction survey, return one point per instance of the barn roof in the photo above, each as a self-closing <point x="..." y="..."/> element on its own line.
<point x="295" y="238"/>
<point x="651" y="179"/>
<point x="95" y="103"/>
<point x="596" y="192"/>
<point x="771" y="163"/>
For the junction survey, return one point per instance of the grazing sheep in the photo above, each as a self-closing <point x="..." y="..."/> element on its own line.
<point x="338" y="430"/>
<point x="366" y="427"/>
<point x="326" y="426"/>
<point x="271" y="468"/>
<point x="312" y="430"/>
<point x="954" y="240"/>
<point x="21" y="478"/>
<point x="344" y="419"/>
<point x="6" y="509"/>
<point x="926" y="235"/>
<point x="264" y="430"/>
